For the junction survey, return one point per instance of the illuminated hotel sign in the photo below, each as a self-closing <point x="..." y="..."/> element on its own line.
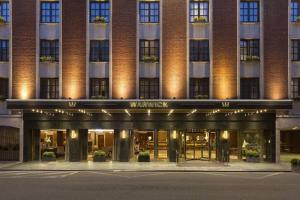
<point x="148" y="104"/>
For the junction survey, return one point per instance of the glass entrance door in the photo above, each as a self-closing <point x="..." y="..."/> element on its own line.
<point x="200" y="145"/>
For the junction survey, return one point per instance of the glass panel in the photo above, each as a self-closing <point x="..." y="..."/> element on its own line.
<point x="162" y="145"/>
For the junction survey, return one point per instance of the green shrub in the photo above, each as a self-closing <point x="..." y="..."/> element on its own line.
<point x="49" y="154"/>
<point x="200" y="19"/>
<point x="2" y="20"/>
<point x="99" y="153"/>
<point x="144" y="156"/>
<point x="99" y="19"/>
<point x="150" y="59"/>
<point x="47" y="59"/>
<point x="252" y="154"/>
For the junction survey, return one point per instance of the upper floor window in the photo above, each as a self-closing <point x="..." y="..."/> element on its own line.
<point x="199" y="88"/>
<point x="49" y="88"/>
<point x="199" y="50"/>
<point x="4" y="12"/>
<point x="296" y="88"/>
<point x="149" y="50"/>
<point x="99" y="51"/>
<point x="249" y="50"/>
<point x="249" y="88"/>
<point x="249" y="11"/>
<point x="295" y="10"/>
<point x="99" y="11"/>
<point x="199" y="11"/>
<point x="149" y="12"/>
<point x="4" y="50"/>
<point x="3" y="88"/>
<point x="49" y="12"/>
<point x="149" y="88"/>
<point x="49" y="50"/>
<point x="99" y="88"/>
<point x="295" y="50"/>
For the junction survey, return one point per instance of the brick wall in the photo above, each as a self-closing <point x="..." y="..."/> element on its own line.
<point x="276" y="49"/>
<point x="174" y="49"/>
<point x="23" y="49"/>
<point x="74" y="49"/>
<point x="124" y="49"/>
<point x="224" y="49"/>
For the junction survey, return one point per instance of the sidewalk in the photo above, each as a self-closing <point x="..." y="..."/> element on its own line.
<point x="191" y="166"/>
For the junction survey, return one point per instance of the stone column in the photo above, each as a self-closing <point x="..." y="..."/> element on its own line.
<point x="173" y="145"/>
<point x="277" y="145"/>
<point x="124" y="146"/>
<point x="73" y="144"/>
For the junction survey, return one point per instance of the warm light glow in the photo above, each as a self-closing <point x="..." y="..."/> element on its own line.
<point x="174" y="134"/>
<point x="124" y="134"/>
<point x="127" y="112"/>
<point x="149" y="112"/>
<point x="24" y="91"/>
<point x="74" y="135"/>
<point x="225" y="135"/>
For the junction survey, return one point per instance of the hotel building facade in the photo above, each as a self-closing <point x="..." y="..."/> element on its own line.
<point x="214" y="80"/>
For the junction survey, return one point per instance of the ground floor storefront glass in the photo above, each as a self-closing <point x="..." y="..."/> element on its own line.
<point x="289" y="145"/>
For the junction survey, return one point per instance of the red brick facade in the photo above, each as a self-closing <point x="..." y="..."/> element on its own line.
<point x="74" y="49"/>
<point x="23" y="49"/>
<point x="174" y="49"/>
<point x="276" y="49"/>
<point x="124" y="49"/>
<point x="224" y="49"/>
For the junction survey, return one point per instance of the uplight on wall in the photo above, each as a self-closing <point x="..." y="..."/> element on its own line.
<point x="225" y="135"/>
<point x="124" y="134"/>
<point x="74" y="135"/>
<point x="174" y="134"/>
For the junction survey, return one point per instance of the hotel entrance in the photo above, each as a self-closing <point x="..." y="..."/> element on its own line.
<point x="199" y="145"/>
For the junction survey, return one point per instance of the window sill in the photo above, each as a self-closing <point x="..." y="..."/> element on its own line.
<point x="100" y="23"/>
<point x="199" y="61"/>
<point x="49" y="62"/>
<point x="99" y="62"/>
<point x="249" y="23"/>
<point x="149" y="62"/>
<point x="248" y="61"/>
<point x="49" y="23"/>
<point x="150" y="23"/>
<point x="199" y="23"/>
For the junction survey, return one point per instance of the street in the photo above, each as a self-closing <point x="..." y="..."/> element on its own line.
<point x="77" y="185"/>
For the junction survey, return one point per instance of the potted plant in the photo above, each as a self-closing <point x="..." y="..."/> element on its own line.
<point x="252" y="58"/>
<point x="150" y="59"/>
<point x="200" y="19"/>
<point x="99" y="19"/>
<point x="99" y="156"/>
<point x="144" y="156"/>
<point x="252" y="156"/>
<point x="48" y="156"/>
<point x="47" y="59"/>
<point x="295" y="164"/>
<point x="2" y="20"/>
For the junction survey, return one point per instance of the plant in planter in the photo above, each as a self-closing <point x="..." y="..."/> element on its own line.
<point x="48" y="156"/>
<point x="295" y="163"/>
<point x="252" y="156"/>
<point x="2" y="20"/>
<point x="99" y="19"/>
<point x="144" y="156"/>
<point x="252" y="58"/>
<point x="47" y="59"/>
<point x="150" y="59"/>
<point x="200" y="19"/>
<point x="99" y="156"/>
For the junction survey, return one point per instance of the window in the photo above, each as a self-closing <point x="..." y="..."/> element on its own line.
<point x="49" y="12"/>
<point x="3" y="88"/>
<point x="295" y="50"/>
<point x="49" y="50"/>
<point x="249" y="11"/>
<point x="4" y="50"/>
<point x="250" y="50"/>
<point x="199" y="88"/>
<point x="149" y="50"/>
<point x="99" y="88"/>
<point x="199" y="11"/>
<point x="199" y="50"/>
<point x="49" y="88"/>
<point x="296" y="88"/>
<point x="4" y="11"/>
<point x="295" y="10"/>
<point x="149" y="88"/>
<point x="149" y="12"/>
<point x="249" y="88"/>
<point x="99" y="11"/>
<point x="99" y="51"/>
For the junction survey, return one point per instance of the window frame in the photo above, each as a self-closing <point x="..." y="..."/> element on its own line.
<point x="199" y="50"/>
<point x="99" y="11"/>
<point x="4" y="87"/>
<point x="249" y="16"/>
<point x="199" y="9"/>
<point x="250" y="85"/>
<point x="149" y="17"/>
<point x="149" y="88"/>
<point x="295" y="11"/>
<point x="199" y="87"/>
<point x="103" y="88"/>
<point x="295" y="49"/>
<point x="53" y="10"/>
<point x="99" y="51"/>
<point x="52" y="50"/>
<point x="250" y="50"/>
<point x="5" y="10"/>
<point x="149" y="48"/>
<point x="4" y="50"/>
<point x="49" y="88"/>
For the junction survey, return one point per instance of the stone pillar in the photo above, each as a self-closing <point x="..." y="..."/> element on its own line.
<point x="173" y="145"/>
<point x="73" y="145"/>
<point x="83" y="142"/>
<point x="124" y="146"/>
<point x="277" y="146"/>
<point x="155" y="139"/>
